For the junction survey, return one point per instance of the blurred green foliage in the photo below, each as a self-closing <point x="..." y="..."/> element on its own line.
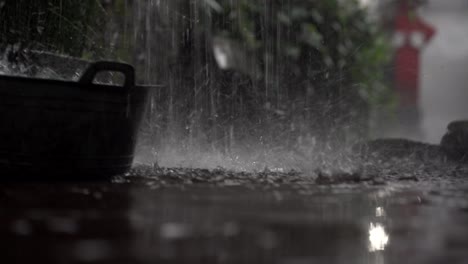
<point x="323" y="63"/>
<point x="330" y="43"/>
<point x="63" y="26"/>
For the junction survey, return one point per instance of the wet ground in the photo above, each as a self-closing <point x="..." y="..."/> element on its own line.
<point x="413" y="214"/>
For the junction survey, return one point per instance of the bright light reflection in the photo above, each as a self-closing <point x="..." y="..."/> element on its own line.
<point x="221" y="56"/>
<point x="379" y="212"/>
<point x="378" y="238"/>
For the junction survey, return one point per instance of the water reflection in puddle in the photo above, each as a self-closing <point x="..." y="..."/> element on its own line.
<point x="378" y="237"/>
<point x="320" y="225"/>
<point x="92" y="251"/>
<point x="339" y="224"/>
<point x="328" y="226"/>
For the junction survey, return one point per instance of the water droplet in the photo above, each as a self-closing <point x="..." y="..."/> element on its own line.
<point x="221" y="56"/>
<point x="22" y="227"/>
<point x="174" y="231"/>
<point x="62" y="225"/>
<point x="379" y="212"/>
<point x="97" y="195"/>
<point x="92" y="250"/>
<point x="231" y="229"/>
<point x="268" y="240"/>
<point x="40" y="29"/>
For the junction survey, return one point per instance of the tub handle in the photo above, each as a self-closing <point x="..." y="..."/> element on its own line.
<point x="127" y="70"/>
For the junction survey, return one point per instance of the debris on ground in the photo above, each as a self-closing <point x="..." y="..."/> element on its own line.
<point x="219" y="176"/>
<point x="455" y="142"/>
<point x="375" y="163"/>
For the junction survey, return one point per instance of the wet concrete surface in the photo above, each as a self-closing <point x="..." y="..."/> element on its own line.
<point x="133" y="219"/>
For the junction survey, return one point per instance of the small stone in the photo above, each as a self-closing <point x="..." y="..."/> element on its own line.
<point x="337" y="176"/>
<point x="455" y="142"/>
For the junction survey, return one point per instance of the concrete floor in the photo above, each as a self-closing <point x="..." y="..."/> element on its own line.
<point x="128" y="223"/>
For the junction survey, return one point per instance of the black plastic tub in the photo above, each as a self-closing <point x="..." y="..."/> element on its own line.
<point x="51" y="128"/>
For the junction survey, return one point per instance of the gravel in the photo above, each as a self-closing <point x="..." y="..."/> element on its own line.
<point x="373" y="163"/>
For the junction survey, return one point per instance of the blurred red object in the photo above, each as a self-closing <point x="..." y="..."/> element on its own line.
<point x="411" y="35"/>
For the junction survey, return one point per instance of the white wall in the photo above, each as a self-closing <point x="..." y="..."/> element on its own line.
<point x="444" y="91"/>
